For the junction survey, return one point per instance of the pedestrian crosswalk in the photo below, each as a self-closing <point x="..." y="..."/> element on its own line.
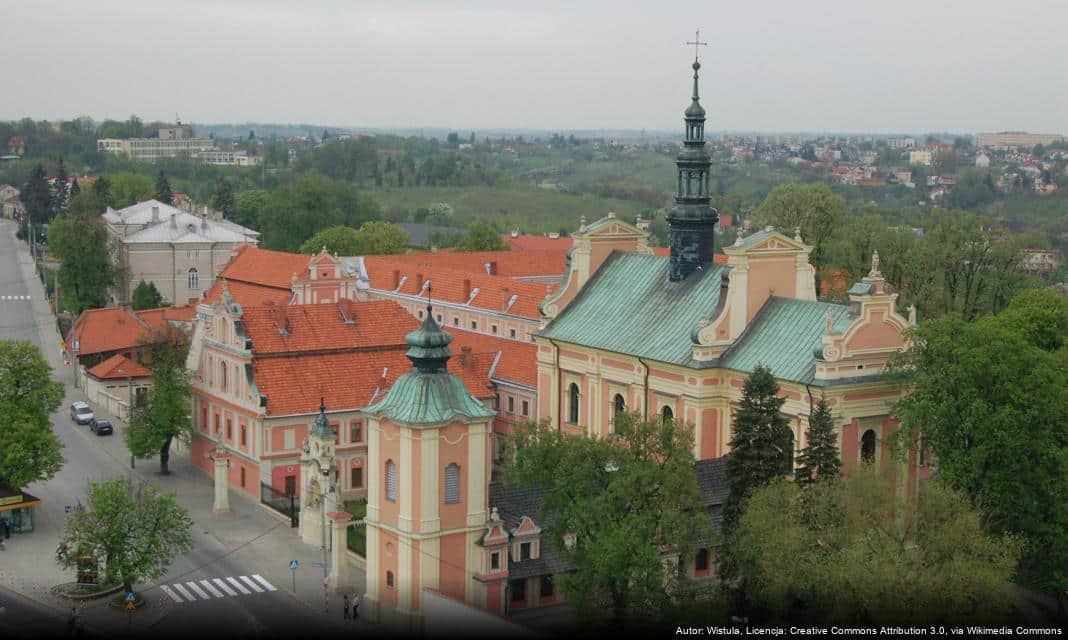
<point x="14" y="297"/>
<point x="217" y="588"/>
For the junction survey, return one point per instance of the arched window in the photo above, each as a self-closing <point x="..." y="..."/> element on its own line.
<point x="222" y="375"/>
<point x="867" y="447"/>
<point x="619" y="406"/>
<point x="452" y="483"/>
<point x="194" y="278"/>
<point x="391" y="481"/>
<point x="573" y="403"/>
<point x="666" y="414"/>
<point x="389" y="579"/>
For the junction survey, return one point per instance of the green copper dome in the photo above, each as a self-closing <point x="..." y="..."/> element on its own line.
<point x="321" y="427"/>
<point x="428" y="346"/>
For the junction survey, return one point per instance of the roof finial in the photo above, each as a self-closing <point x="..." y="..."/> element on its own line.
<point x="696" y="64"/>
<point x="429" y="304"/>
<point x="582" y="224"/>
<point x="322" y="404"/>
<point x="797" y="234"/>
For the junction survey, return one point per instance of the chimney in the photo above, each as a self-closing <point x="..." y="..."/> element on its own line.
<point x="155" y="214"/>
<point x="419" y="281"/>
<point x="396" y="278"/>
<point x="465" y="356"/>
<point x="467" y="289"/>
<point x="174" y="221"/>
<point x="506" y="295"/>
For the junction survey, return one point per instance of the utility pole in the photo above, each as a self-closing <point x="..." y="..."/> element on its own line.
<point x="129" y="413"/>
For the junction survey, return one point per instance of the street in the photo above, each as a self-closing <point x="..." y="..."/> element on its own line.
<point x="247" y="542"/>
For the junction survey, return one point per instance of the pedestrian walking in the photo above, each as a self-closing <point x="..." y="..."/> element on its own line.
<point x="345" y="606"/>
<point x="72" y="622"/>
<point x="355" y="606"/>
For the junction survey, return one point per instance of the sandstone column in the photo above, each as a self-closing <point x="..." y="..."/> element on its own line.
<point x="222" y="482"/>
<point x="339" y="524"/>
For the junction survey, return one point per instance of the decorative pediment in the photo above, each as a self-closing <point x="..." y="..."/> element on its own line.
<point x="526" y="528"/>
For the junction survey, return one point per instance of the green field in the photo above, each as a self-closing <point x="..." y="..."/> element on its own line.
<point x="529" y="209"/>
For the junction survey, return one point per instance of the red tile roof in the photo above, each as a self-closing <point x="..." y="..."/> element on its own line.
<point x="249" y="295"/>
<point x="108" y="329"/>
<point x="511" y="264"/>
<point x="322" y="328"/>
<point x="157" y="318"/>
<point x="538" y="243"/>
<point x="451" y="285"/>
<point x="119" y="366"/>
<point x="518" y="360"/>
<point x="264" y="267"/>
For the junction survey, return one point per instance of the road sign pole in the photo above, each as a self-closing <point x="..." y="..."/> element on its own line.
<point x="293" y="564"/>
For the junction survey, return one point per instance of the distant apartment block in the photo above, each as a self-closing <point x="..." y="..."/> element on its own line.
<point x="901" y="143"/>
<point x="1017" y="139"/>
<point x="152" y="149"/>
<point x="227" y="158"/>
<point x="922" y="156"/>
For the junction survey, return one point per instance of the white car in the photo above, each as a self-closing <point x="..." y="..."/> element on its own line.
<point x="81" y="413"/>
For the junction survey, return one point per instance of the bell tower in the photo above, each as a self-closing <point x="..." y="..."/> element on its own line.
<point x="692" y="219"/>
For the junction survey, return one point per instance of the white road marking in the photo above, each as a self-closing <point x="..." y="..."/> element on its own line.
<point x="252" y="584"/>
<point x="270" y="587"/>
<point x="215" y="592"/>
<point x="239" y="586"/>
<point x="185" y="594"/>
<point x="172" y="594"/>
<point x="198" y="590"/>
<point x="224" y="587"/>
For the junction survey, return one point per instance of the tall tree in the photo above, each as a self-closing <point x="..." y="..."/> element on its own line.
<point x="146" y="296"/>
<point x="295" y="212"/>
<point x="373" y="238"/>
<point x="60" y="189"/>
<point x="619" y="503"/>
<point x="819" y="460"/>
<point x="127" y="188"/>
<point x="165" y="415"/>
<point x="102" y="189"/>
<point x="813" y="208"/>
<point x="80" y="240"/>
<point x="223" y="199"/>
<point x="836" y="553"/>
<point x="36" y="196"/>
<point x="135" y="531"/>
<point x="762" y="444"/>
<point x="163" y="189"/>
<point x="990" y="399"/>
<point x="482" y="236"/>
<point x="29" y="450"/>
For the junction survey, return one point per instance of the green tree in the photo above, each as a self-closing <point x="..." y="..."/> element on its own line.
<point x="276" y="154"/>
<point x="135" y="531"/>
<point x="146" y="296"/>
<point x="80" y="240"/>
<point x="373" y="238"/>
<point x="298" y="211"/>
<point x="248" y="205"/>
<point x="163" y="189"/>
<point x="844" y="552"/>
<point x="165" y="414"/>
<point x="439" y="213"/>
<point x="990" y="399"/>
<point x="482" y="236"/>
<point x="813" y="208"/>
<point x="29" y="450"/>
<point x="36" y="197"/>
<point x="819" y="460"/>
<point x="102" y="190"/>
<point x="129" y="188"/>
<point x="343" y="241"/>
<point x="622" y="501"/>
<point x="761" y="445"/>
<point x="223" y="200"/>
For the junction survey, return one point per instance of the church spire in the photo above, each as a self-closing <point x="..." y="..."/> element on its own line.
<point x="692" y="219"/>
<point x="428" y="346"/>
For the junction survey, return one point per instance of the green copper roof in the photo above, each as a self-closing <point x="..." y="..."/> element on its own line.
<point x="629" y="306"/>
<point x="429" y="398"/>
<point x="754" y="238"/>
<point x="321" y="427"/>
<point x="428" y="346"/>
<point x="783" y="337"/>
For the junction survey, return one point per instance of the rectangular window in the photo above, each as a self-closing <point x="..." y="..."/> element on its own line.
<point x="524" y="551"/>
<point x="493" y="329"/>
<point x="474" y="325"/>
<point x="526" y="408"/>
<point x="216" y="424"/>
<point x="495" y="560"/>
<point x="546" y="590"/>
<point x="242" y="476"/>
<point x="511" y="333"/>
<point x="518" y="589"/>
<point x="456" y="321"/>
<point x="356" y="432"/>
<point x="452" y="484"/>
<point x="229" y="429"/>
<point x="511" y="404"/>
<point x="289" y="439"/>
<point x="356" y="478"/>
<point x="244" y="430"/>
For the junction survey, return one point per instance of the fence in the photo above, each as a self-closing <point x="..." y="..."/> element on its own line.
<point x="283" y="503"/>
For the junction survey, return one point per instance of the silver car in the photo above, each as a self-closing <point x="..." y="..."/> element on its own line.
<point x="81" y="413"/>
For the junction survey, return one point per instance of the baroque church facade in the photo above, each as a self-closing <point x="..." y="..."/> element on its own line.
<point x="664" y="336"/>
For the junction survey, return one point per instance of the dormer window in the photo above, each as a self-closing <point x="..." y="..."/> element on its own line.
<point x="495" y="560"/>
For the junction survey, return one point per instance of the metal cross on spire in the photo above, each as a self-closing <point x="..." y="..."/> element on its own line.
<point x="429" y="304"/>
<point x="697" y="43"/>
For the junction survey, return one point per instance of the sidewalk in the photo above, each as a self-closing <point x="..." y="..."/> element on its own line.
<point x="251" y="539"/>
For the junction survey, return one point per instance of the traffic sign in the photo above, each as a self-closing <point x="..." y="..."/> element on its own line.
<point x="293" y="564"/>
<point x="130" y="607"/>
<point x="68" y="509"/>
<point x="131" y="596"/>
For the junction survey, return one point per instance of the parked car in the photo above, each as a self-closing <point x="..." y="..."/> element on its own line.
<point x="101" y="427"/>
<point x="81" y="413"/>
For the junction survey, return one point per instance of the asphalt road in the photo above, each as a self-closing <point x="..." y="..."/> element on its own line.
<point x="222" y="549"/>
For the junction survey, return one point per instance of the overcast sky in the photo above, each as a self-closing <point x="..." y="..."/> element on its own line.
<point x="786" y="65"/>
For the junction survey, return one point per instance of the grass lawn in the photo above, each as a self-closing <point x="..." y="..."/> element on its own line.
<point x="530" y="209"/>
<point x="357" y="536"/>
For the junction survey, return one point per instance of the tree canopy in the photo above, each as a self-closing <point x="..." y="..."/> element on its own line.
<point x="621" y="501"/>
<point x="812" y="207"/>
<point x="223" y="199"/>
<point x="165" y="415"/>
<point x="134" y="530"/>
<point x="29" y="450"/>
<point x="146" y="296"/>
<point x="990" y="399"/>
<point x="297" y="211"/>
<point x="482" y="236"/>
<point x="80" y="241"/>
<point x="373" y="238"/>
<point x="163" y="189"/>
<point x="820" y="459"/>
<point x="843" y="551"/>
